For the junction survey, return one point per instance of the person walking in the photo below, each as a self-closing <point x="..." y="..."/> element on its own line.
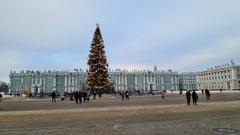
<point x="94" y="95"/>
<point x="194" y="97"/>
<point x="1" y="97"/>
<point x="207" y="92"/>
<point x="220" y="90"/>
<point x="188" y="96"/>
<point x="71" y="96"/>
<point x="84" y="96"/>
<point x="80" y="95"/>
<point x="88" y="96"/>
<point x="180" y="92"/>
<point x="127" y="95"/>
<point x="62" y="97"/>
<point x="122" y="94"/>
<point x="76" y="97"/>
<point x="163" y="94"/>
<point x="53" y="94"/>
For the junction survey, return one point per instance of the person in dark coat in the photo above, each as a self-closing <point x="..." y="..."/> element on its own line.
<point x="94" y="95"/>
<point x="54" y="94"/>
<point x="123" y="94"/>
<point x="62" y="97"/>
<point x="1" y="97"/>
<point x="163" y="94"/>
<point x="80" y="95"/>
<point x="71" y="96"/>
<point x="180" y="92"/>
<point x="207" y="92"/>
<point x="88" y="96"/>
<point x="188" y="96"/>
<point x="84" y="96"/>
<point x="194" y="97"/>
<point x="76" y="97"/>
<point x="127" y="95"/>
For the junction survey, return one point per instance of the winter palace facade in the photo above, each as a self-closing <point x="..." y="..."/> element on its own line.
<point x="225" y="77"/>
<point x="66" y="81"/>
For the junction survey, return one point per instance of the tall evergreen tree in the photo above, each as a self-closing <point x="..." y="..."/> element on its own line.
<point x="97" y="74"/>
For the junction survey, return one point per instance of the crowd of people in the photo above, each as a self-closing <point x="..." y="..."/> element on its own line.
<point x="124" y="95"/>
<point x="84" y="96"/>
<point x="80" y="97"/>
<point x="194" y="96"/>
<point x="77" y="96"/>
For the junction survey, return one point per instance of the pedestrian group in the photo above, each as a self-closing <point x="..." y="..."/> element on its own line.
<point x="194" y="96"/>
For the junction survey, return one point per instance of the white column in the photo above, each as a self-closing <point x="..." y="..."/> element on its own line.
<point x="73" y="84"/>
<point x="36" y="81"/>
<point x="68" y="84"/>
<point x="136" y="83"/>
<point x="234" y="74"/>
<point x="122" y="82"/>
<point x="119" y="80"/>
<point x="126" y="84"/>
<point x="76" y="83"/>
<point x="144" y="82"/>
<point x="32" y="81"/>
<point x="44" y="84"/>
<point x="65" y="83"/>
<point x="40" y="81"/>
<point x="54" y="83"/>
<point x="75" y="88"/>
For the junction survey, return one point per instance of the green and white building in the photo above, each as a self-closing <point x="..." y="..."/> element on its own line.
<point x="187" y="81"/>
<point x="66" y="81"/>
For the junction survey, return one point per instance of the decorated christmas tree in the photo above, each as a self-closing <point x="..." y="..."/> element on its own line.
<point x="97" y="74"/>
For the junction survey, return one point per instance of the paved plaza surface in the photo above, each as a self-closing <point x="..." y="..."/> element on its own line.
<point x="146" y="115"/>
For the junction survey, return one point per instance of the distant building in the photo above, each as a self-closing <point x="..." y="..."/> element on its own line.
<point x="66" y="81"/>
<point x="145" y="80"/>
<point x="225" y="77"/>
<point x="47" y="81"/>
<point x="187" y="81"/>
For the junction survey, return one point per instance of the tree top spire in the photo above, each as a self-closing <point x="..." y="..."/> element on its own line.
<point x="97" y="24"/>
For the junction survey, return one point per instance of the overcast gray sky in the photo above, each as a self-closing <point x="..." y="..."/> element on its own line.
<point x="180" y="35"/>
